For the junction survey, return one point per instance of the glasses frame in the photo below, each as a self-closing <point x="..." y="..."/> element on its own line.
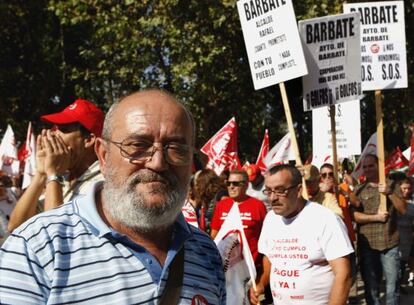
<point x="145" y="158"/>
<point x="279" y="193"/>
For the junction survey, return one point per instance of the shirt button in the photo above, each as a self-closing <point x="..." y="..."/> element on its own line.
<point x="149" y="261"/>
<point x="196" y="286"/>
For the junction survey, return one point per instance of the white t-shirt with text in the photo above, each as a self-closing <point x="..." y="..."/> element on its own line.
<point x="299" y="249"/>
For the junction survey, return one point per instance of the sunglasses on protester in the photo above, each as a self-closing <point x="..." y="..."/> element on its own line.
<point x="235" y="183"/>
<point x="326" y="175"/>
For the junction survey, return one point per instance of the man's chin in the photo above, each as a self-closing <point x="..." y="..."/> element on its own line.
<point x="154" y="199"/>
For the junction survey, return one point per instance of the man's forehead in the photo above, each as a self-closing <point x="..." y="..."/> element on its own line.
<point x="145" y="115"/>
<point x="279" y="179"/>
<point x="326" y="170"/>
<point x="236" y="176"/>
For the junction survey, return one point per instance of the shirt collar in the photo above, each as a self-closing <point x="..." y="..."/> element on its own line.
<point x="85" y="205"/>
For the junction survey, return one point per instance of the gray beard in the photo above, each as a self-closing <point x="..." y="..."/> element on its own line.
<point x="128" y="207"/>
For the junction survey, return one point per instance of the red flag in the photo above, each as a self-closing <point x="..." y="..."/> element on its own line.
<point x="22" y="153"/>
<point x="221" y="149"/>
<point x="309" y="159"/>
<point x="264" y="149"/>
<point x="411" y="163"/>
<point x="395" y="160"/>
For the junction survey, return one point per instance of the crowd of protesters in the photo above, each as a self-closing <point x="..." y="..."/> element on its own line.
<point x="96" y="164"/>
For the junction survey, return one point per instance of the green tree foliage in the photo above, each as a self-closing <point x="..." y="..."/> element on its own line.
<point x="101" y="50"/>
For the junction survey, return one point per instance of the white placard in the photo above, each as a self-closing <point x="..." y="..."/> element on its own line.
<point x="272" y="41"/>
<point x="331" y="45"/>
<point x="348" y="130"/>
<point x="383" y="53"/>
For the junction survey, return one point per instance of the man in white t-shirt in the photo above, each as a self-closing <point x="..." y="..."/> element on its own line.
<point x="305" y="246"/>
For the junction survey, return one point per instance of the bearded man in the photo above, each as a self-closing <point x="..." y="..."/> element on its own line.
<point x="125" y="241"/>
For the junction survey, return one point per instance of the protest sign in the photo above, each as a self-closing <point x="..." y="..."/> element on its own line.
<point x="348" y="131"/>
<point x="383" y="52"/>
<point x="331" y="47"/>
<point x="272" y="41"/>
<point x="383" y="58"/>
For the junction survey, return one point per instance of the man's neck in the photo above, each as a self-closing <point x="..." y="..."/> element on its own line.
<point x="79" y="169"/>
<point x="240" y="198"/>
<point x="155" y="241"/>
<point x="300" y="206"/>
<point x="373" y="180"/>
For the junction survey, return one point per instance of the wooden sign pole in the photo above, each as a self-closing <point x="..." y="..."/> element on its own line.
<point x="292" y="133"/>
<point x="332" y="111"/>
<point x="380" y="147"/>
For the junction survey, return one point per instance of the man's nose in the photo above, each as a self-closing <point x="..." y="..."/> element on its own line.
<point x="272" y="197"/>
<point x="157" y="161"/>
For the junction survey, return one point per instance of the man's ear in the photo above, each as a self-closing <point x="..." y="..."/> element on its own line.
<point x="89" y="141"/>
<point x="300" y="191"/>
<point x="101" y="150"/>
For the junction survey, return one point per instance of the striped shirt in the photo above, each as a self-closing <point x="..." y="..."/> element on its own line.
<point x="70" y="256"/>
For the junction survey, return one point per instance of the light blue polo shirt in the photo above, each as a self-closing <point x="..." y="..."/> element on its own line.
<point x="70" y="256"/>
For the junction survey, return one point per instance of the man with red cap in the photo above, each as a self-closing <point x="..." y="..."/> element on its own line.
<point x="66" y="160"/>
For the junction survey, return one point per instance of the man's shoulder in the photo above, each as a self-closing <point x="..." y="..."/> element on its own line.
<point x="318" y="211"/>
<point x="48" y="223"/>
<point x="201" y="243"/>
<point x="225" y="202"/>
<point x="199" y="235"/>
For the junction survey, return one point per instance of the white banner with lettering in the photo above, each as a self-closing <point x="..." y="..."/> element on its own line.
<point x="383" y="52"/>
<point x="272" y="41"/>
<point x="348" y="132"/>
<point x="332" y="50"/>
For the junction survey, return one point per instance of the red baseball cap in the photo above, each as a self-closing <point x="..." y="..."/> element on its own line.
<point x="82" y="111"/>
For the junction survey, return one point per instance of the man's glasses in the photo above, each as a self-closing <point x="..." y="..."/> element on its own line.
<point x="279" y="192"/>
<point x="139" y="150"/>
<point x="326" y="175"/>
<point x="235" y="183"/>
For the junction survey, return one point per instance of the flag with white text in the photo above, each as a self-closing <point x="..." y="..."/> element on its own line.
<point x="221" y="149"/>
<point x="237" y="259"/>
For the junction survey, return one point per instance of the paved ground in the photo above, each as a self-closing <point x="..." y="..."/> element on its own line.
<point x="407" y="295"/>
